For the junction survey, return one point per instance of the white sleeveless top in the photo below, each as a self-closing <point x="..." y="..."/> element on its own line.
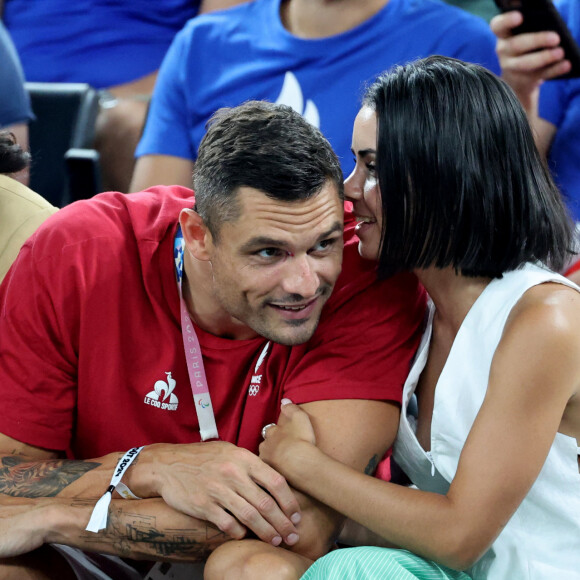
<point x="542" y="539"/>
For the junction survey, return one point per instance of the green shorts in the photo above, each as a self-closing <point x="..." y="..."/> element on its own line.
<point x="371" y="563"/>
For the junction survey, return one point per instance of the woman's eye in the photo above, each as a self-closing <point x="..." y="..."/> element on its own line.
<point x="371" y="168"/>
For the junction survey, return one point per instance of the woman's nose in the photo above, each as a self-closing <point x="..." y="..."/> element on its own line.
<point x="352" y="186"/>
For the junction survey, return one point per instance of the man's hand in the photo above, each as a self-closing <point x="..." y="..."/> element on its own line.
<point x="221" y="483"/>
<point x="21" y="526"/>
<point x="527" y="60"/>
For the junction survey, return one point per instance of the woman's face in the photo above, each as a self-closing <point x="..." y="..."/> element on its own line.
<point x="362" y="186"/>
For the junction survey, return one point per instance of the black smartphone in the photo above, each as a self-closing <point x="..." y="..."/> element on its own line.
<point x="541" y="15"/>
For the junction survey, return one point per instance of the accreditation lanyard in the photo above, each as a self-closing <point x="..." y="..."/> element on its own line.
<point x="195" y="368"/>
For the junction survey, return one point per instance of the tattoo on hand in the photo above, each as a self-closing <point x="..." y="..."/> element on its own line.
<point x="372" y="465"/>
<point x="21" y="477"/>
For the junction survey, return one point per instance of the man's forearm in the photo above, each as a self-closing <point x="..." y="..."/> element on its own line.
<point x="26" y="478"/>
<point x="61" y="495"/>
<point x="142" y="529"/>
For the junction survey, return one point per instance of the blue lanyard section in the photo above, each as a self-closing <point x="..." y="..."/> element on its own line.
<point x="178" y="248"/>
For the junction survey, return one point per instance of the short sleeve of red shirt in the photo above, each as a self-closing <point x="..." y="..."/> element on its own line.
<point x="34" y="338"/>
<point x="45" y="309"/>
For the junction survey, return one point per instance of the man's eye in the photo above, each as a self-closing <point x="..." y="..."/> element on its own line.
<point x="324" y="245"/>
<point x="268" y="253"/>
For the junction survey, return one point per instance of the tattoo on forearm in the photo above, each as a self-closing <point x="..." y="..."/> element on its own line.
<point x="372" y="465"/>
<point x="130" y="534"/>
<point x="21" y="477"/>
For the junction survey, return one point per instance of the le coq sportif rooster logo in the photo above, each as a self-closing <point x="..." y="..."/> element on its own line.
<point x="162" y="395"/>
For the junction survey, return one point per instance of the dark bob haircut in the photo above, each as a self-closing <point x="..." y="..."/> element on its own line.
<point x="267" y="147"/>
<point x="462" y="183"/>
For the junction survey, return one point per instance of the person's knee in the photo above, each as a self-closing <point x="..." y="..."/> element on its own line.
<point x="245" y="560"/>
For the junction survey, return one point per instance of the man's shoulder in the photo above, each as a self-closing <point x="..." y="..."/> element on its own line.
<point x="112" y="217"/>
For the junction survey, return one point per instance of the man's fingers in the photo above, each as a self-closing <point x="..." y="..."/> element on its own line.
<point x="225" y="522"/>
<point x="259" y="512"/>
<point x="278" y="488"/>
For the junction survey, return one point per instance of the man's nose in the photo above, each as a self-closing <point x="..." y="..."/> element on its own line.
<point x="301" y="276"/>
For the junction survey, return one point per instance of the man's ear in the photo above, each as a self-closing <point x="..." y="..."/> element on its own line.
<point x="196" y="234"/>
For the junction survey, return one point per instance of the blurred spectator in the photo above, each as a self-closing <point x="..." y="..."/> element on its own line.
<point x="484" y="8"/>
<point x="553" y="107"/>
<point x="117" y="46"/>
<point x="21" y="210"/>
<point x="313" y="55"/>
<point x="15" y="111"/>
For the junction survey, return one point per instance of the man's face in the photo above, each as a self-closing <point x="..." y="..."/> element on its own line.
<point x="276" y="265"/>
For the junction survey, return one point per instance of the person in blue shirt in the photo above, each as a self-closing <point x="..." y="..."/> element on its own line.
<point x="116" y="47"/>
<point x="15" y="111"/>
<point x="313" y="55"/>
<point x="529" y="62"/>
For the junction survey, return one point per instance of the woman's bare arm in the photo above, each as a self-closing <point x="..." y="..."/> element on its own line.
<point x="533" y="384"/>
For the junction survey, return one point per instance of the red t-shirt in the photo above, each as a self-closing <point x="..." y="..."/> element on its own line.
<point x="90" y="322"/>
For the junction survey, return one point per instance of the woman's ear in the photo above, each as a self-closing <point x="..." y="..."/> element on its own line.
<point x="196" y="235"/>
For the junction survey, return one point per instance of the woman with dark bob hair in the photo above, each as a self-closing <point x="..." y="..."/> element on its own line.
<point x="448" y="184"/>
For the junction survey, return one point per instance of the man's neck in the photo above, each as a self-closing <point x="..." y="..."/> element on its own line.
<point x="324" y="18"/>
<point x="202" y="305"/>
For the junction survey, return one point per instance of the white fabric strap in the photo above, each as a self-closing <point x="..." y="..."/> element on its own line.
<point x="199" y="386"/>
<point x="125" y="492"/>
<point x="100" y="513"/>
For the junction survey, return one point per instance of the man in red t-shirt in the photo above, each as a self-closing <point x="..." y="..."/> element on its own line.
<point x="104" y="320"/>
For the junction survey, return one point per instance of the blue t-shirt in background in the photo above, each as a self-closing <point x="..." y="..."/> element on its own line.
<point x="560" y="105"/>
<point x="14" y="100"/>
<point x="99" y="42"/>
<point x="223" y="59"/>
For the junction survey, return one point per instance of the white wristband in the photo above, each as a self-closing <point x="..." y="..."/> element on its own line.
<point x="125" y="492"/>
<point x="98" y="519"/>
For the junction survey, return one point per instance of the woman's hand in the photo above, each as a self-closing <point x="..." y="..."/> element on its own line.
<point x="282" y="441"/>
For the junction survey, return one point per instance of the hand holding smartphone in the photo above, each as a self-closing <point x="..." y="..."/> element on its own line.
<point x="542" y="15"/>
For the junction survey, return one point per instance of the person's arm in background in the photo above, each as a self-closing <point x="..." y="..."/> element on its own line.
<point x="153" y="170"/>
<point x="165" y="155"/>
<point x="527" y="60"/>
